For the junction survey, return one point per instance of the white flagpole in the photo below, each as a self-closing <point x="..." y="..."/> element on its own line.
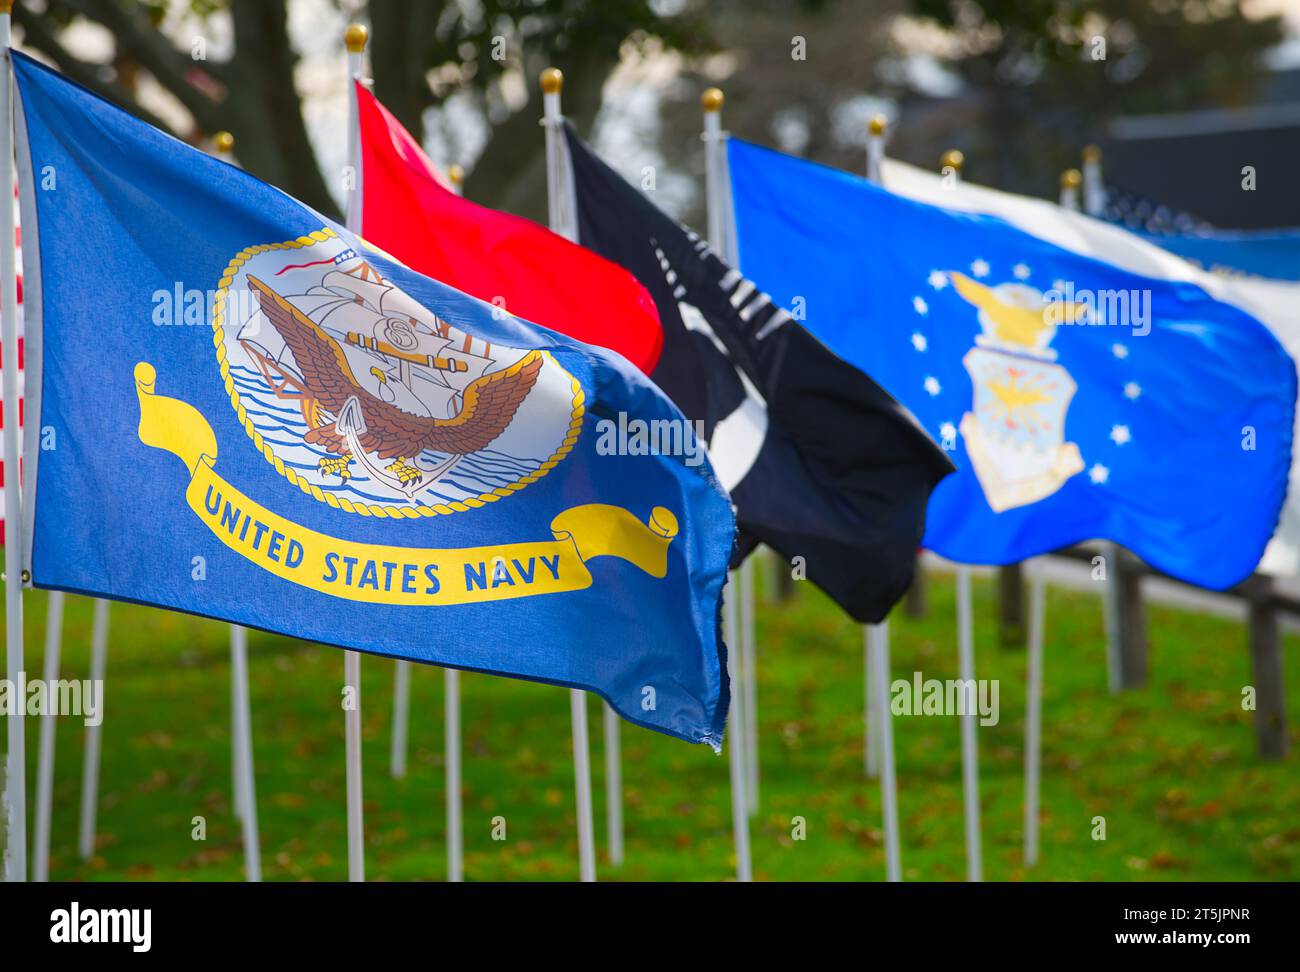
<point x="1090" y="180"/>
<point x="90" y="768"/>
<point x="560" y="210"/>
<point x="1094" y="198"/>
<point x="878" y="652"/>
<point x="735" y="749"/>
<point x="876" y="146"/>
<point x="870" y="715"/>
<point x="1071" y="180"/>
<point x="1094" y="189"/>
<point x="451" y="715"/>
<point x="401" y="718"/>
<point x="969" y="751"/>
<point x="951" y="165"/>
<point x="354" y="38"/>
<point x="721" y="239"/>
<point x="582" y="786"/>
<point x="613" y="786"/>
<point x="243" y="789"/>
<point x="243" y="739"/>
<point x="451" y="731"/>
<point x="45" y="766"/>
<point x="16" y="776"/>
<point x="879" y="729"/>
<point x="1034" y="712"/>
<point x="749" y="650"/>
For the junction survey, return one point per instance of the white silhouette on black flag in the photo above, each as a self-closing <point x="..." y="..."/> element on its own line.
<point x="820" y="461"/>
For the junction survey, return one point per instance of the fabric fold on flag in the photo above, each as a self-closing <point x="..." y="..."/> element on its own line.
<point x="264" y="419"/>
<point x="1079" y="399"/>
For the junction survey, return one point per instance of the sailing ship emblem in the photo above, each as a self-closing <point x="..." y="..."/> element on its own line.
<point x="1015" y="430"/>
<point x="370" y="402"/>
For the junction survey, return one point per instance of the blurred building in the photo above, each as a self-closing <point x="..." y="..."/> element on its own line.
<point x="1194" y="161"/>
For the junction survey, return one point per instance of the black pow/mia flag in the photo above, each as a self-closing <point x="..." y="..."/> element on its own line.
<point x="821" y="463"/>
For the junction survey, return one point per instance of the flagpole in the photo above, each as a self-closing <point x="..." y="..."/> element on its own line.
<point x="749" y="649"/>
<point x="714" y="145"/>
<point x="451" y="743"/>
<point x="355" y="39"/>
<point x="560" y="211"/>
<point x="1094" y="202"/>
<point x="1034" y="712"/>
<point x="45" y="765"/>
<point x="969" y="751"/>
<point x="223" y="143"/>
<point x="243" y="737"/>
<point x="735" y="750"/>
<point x="1071" y="180"/>
<point x="951" y="165"/>
<point x="1090" y="179"/>
<point x="1094" y="189"/>
<point x="613" y="786"/>
<point x="727" y="245"/>
<point x="90" y="768"/>
<point x="243" y="789"/>
<point x="878" y="741"/>
<point x="401" y="718"/>
<point x="870" y="715"/>
<point x="451" y="712"/>
<point x="16" y="775"/>
<point x="878" y="655"/>
<point x="876" y="147"/>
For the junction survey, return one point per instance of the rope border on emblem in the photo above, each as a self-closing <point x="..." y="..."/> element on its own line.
<point x="340" y="503"/>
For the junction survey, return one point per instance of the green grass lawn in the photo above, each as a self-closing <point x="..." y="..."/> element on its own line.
<point x="1172" y="768"/>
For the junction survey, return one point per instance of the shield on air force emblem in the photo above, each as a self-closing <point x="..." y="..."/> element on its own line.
<point x="1015" y="430"/>
<point x="364" y="399"/>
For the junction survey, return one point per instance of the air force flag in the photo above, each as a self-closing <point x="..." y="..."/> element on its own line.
<point x="259" y="418"/>
<point x="1078" y="400"/>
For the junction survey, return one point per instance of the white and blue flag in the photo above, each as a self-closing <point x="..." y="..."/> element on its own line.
<point x="1079" y="399"/>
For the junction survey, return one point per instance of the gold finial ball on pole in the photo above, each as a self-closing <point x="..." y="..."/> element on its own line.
<point x="552" y="81"/>
<point x="455" y="174"/>
<point x="952" y="159"/>
<point x="355" y="38"/>
<point x="1071" y="179"/>
<point x="1092" y="153"/>
<point x="877" y="125"/>
<point x="223" y="141"/>
<point x="712" y="99"/>
<point x="6" y="6"/>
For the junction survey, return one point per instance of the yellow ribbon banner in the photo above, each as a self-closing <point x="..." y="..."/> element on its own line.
<point x="381" y="574"/>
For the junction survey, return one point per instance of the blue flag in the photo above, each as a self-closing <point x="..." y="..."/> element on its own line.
<point x="1078" y="400"/>
<point x="245" y="412"/>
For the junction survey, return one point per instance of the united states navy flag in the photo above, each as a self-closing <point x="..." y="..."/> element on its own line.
<point x="1078" y="399"/>
<point x="259" y="418"/>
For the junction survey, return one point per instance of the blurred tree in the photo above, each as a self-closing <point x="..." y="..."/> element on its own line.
<point x="252" y="94"/>
<point x="422" y="53"/>
<point x="1052" y="73"/>
<point x="1046" y="74"/>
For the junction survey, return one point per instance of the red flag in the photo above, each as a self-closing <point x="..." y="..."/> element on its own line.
<point x="409" y="211"/>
